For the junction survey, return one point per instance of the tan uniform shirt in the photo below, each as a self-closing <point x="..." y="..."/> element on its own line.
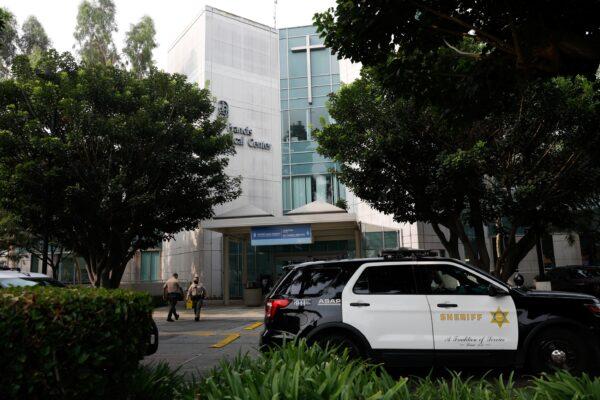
<point x="172" y="285"/>
<point x="195" y="289"/>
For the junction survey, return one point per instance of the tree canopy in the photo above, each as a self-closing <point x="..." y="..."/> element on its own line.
<point x="33" y="38"/>
<point x="139" y="44"/>
<point x="94" y="32"/>
<point x="537" y="37"/>
<point x="8" y="40"/>
<point x="477" y="114"/>
<point x="109" y="163"/>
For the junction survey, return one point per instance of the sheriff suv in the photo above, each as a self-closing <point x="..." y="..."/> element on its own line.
<point x="411" y="308"/>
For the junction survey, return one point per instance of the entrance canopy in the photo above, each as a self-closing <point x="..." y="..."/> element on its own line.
<point x="327" y="221"/>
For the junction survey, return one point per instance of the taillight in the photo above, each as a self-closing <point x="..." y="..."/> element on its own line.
<point x="594" y="308"/>
<point x="273" y="305"/>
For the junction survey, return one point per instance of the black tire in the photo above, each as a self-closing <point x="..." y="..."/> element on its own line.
<point x="341" y="342"/>
<point x="558" y="348"/>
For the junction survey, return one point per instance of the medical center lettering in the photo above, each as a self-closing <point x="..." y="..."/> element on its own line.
<point x="239" y="140"/>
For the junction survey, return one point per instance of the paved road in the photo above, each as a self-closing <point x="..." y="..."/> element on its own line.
<point x="187" y="344"/>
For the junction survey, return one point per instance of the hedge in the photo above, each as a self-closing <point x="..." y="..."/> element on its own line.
<point x="70" y="343"/>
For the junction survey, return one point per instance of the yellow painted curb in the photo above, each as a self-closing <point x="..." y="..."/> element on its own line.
<point x="253" y="326"/>
<point x="226" y="341"/>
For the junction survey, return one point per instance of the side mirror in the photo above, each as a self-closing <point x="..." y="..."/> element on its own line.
<point x="518" y="279"/>
<point x="493" y="291"/>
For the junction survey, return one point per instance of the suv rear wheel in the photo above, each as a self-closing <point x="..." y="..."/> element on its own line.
<point x="558" y="348"/>
<point x="341" y="342"/>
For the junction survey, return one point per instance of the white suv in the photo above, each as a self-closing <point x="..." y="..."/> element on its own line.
<point x="15" y="278"/>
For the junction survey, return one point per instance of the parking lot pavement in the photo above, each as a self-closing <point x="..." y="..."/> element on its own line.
<point x="197" y="347"/>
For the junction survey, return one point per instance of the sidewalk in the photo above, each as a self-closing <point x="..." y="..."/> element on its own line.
<point x="186" y="344"/>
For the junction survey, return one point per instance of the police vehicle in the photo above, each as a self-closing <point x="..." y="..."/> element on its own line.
<point x="412" y="308"/>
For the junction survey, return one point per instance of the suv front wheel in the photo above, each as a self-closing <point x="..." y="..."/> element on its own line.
<point x="558" y="348"/>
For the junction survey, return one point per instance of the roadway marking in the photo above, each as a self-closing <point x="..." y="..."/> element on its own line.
<point x="253" y="326"/>
<point x="226" y="341"/>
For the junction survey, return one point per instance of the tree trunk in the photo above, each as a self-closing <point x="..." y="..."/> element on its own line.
<point x="484" y="258"/>
<point x="45" y="255"/>
<point x="464" y="238"/>
<point x="450" y="243"/>
<point x="514" y="253"/>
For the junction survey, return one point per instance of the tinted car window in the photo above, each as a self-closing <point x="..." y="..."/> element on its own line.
<point x="309" y="282"/>
<point x="21" y="282"/>
<point x="388" y="279"/>
<point x="448" y="279"/>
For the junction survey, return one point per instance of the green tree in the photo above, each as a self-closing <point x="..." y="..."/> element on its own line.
<point x="8" y="41"/>
<point x="530" y="166"/>
<point x="139" y="44"/>
<point x="535" y="37"/>
<point x="128" y="161"/>
<point x="94" y="32"/>
<point x="33" y="38"/>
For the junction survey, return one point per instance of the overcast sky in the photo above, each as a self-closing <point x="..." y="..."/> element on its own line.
<point x="170" y="16"/>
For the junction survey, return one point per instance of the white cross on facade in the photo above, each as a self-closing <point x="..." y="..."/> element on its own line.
<point x="308" y="47"/>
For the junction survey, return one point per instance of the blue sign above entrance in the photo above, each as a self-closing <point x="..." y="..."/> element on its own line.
<point x="288" y="234"/>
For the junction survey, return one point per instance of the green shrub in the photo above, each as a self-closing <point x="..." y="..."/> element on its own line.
<point x="70" y="343"/>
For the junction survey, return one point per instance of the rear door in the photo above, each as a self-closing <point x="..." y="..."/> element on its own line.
<point x="465" y="317"/>
<point x="380" y="301"/>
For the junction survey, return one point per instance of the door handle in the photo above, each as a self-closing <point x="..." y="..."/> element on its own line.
<point x="359" y="304"/>
<point x="447" y="305"/>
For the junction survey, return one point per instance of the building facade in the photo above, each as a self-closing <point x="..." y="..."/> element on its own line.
<point x="272" y="86"/>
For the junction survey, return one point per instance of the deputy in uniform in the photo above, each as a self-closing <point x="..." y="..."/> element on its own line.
<point x="172" y="292"/>
<point x="196" y="293"/>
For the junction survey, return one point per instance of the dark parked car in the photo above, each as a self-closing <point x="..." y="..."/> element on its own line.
<point x="575" y="278"/>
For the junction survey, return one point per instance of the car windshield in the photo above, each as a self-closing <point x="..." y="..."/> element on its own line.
<point x="482" y="272"/>
<point x="23" y="282"/>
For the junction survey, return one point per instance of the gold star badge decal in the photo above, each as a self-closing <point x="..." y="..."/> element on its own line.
<point x="499" y="317"/>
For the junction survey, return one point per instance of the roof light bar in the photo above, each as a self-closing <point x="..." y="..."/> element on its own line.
<point x="405" y="252"/>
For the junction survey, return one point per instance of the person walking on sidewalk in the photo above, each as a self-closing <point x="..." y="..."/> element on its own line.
<point x="196" y="293"/>
<point x="172" y="292"/>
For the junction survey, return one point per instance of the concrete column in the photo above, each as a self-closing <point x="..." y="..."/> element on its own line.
<point x="358" y="243"/>
<point x="225" y="269"/>
<point x="244" y="263"/>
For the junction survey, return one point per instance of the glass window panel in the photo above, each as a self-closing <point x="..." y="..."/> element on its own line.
<point x="299" y="158"/>
<point x="322" y="80"/>
<point x="299" y="103"/>
<point x="34" y="264"/>
<point x="315" y="39"/>
<point x="302" y="30"/>
<point x="285" y="127"/>
<point x="299" y="93"/>
<point x="285" y="147"/>
<point x="313" y="283"/>
<point x="298" y="82"/>
<point x="321" y="91"/>
<point x="319" y="62"/>
<point x="449" y="279"/>
<point x="297" y="65"/>
<point x="283" y="83"/>
<point x="320" y="168"/>
<point x="283" y="68"/>
<point x="285" y="170"/>
<point x="285" y="105"/>
<point x="303" y="146"/>
<point x="320" y="101"/>
<point x="335" y="65"/>
<point x="390" y="240"/>
<point x="298" y="41"/>
<point x="283" y="34"/>
<point x="389" y="279"/>
<point x="297" y="125"/>
<point x="321" y="188"/>
<point x="301" y="191"/>
<point x="317" y="117"/>
<point x="287" y="201"/>
<point x="284" y="94"/>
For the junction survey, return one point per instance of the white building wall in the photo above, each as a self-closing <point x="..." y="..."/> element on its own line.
<point x="237" y="60"/>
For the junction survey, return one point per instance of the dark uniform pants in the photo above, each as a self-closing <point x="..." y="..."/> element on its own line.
<point x="197" y="305"/>
<point x="173" y="298"/>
